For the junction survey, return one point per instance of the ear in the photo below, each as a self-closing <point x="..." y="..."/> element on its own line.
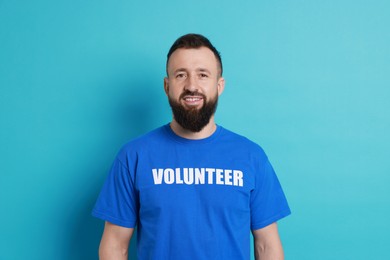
<point x="220" y="85"/>
<point x="166" y="85"/>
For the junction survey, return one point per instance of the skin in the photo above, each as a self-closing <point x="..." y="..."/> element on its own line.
<point x="267" y="244"/>
<point x="194" y="70"/>
<point x="115" y="242"/>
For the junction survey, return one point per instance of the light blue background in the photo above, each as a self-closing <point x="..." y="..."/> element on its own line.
<point x="307" y="80"/>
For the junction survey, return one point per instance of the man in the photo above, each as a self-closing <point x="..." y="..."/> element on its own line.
<point x="194" y="189"/>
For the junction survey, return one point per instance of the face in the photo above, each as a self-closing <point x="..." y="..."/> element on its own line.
<point x="193" y="86"/>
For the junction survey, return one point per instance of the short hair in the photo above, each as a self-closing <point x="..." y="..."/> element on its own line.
<point x="194" y="41"/>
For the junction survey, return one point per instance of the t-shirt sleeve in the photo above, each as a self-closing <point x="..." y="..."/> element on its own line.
<point x="117" y="201"/>
<point x="268" y="202"/>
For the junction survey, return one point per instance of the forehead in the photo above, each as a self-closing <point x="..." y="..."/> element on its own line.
<point x="193" y="59"/>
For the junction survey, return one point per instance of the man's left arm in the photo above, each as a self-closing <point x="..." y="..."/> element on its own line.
<point x="267" y="243"/>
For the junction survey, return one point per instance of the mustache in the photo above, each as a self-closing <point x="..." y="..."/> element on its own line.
<point x="191" y="93"/>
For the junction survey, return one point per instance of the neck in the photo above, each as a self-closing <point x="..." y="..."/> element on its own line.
<point x="207" y="131"/>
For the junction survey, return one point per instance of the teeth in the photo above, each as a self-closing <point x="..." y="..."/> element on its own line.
<point x="192" y="99"/>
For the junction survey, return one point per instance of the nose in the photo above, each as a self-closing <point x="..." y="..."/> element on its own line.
<point x="191" y="83"/>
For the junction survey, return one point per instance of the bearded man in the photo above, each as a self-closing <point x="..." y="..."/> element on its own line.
<point x="194" y="189"/>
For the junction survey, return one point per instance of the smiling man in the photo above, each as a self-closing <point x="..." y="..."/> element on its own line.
<point x="194" y="189"/>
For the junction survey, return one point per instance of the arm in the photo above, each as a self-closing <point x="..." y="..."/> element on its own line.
<point x="267" y="243"/>
<point x="115" y="242"/>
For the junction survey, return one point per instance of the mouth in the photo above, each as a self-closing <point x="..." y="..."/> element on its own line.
<point x="193" y="100"/>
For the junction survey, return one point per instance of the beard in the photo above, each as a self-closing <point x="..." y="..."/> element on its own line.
<point x="193" y="119"/>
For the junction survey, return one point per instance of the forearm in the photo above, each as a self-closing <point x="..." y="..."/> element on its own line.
<point x="109" y="252"/>
<point x="267" y="243"/>
<point x="263" y="252"/>
<point x="115" y="242"/>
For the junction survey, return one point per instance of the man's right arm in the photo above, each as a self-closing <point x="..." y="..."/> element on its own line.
<point x="115" y="242"/>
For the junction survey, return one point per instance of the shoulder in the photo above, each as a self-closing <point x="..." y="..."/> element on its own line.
<point x="146" y="141"/>
<point x="237" y="139"/>
<point x="240" y="142"/>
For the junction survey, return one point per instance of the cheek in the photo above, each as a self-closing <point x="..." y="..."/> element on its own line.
<point x="213" y="89"/>
<point x="174" y="93"/>
<point x="176" y="87"/>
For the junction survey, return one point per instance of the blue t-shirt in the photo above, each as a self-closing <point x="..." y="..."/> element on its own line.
<point x="192" y="199"/>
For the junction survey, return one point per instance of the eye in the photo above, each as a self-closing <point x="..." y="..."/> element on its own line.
<point x="203" y="75"/>
<point x="180" y="75"/>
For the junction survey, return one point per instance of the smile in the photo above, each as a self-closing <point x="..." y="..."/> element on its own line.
<point x="192" y="99"/>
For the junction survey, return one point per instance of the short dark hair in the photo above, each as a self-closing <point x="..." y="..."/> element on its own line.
<point x="194" y="41"/>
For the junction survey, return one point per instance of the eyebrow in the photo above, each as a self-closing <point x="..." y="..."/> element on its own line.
<point x="203" y="70"/>
<point x="197" y="70"/>
<point x="179" y="70"/>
